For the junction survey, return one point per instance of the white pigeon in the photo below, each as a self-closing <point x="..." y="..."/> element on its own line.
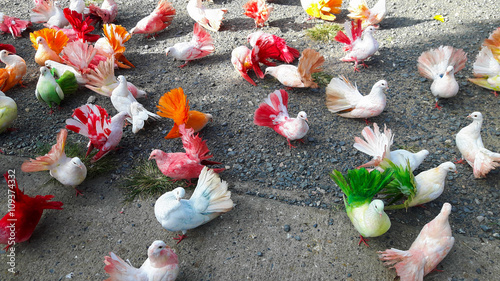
<point x="486" y="70"/>
<point x="123" y="101"/>
<point x="440" y="65"/>
<point x="78" y="6"/>
<point x="470" y="145"/>
<point x="61" y="68"/>
<point x="210" y="199"/>
<point x="432" y="245"/>
<point x="210" y="19"/>
<point x="378" y="145"/>
<point x="58" y="19"/>
<point x="162" y="264"/>
<point x="68" y="171"/>
<point x="359" y="44"/>
<point x="344" y="98"/>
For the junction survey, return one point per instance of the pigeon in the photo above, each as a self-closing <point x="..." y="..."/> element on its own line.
<point x="68" y="171"/>
<point x="273" y="113"/>
<point x="440" y="65"/>
<point x="210" y="19"/>
<point x="81" y="79"/>
<point x="188" y="165"/>
<point x="322" y="9"/>
<point x="104" y="133"/>
<point x="50" y="13"/>
<point x="106" y="13"/>
<point x="299" y="76"/>
<point x="265" y="45"/>
<point x="58" y="19"/>
<point x="51" y="90"/>
<point x="432" y="245"/>
<point x="258" y="10"/>
<point x="367" y="215"/>
<point x="210" y="199"/>
<point x="486" y="70"/>
<point x="345" y="99"/>
<point x="241" y="58"/>
<point x="15" y="69"/>
<point x="358" y="9"/>
<point x="13" y="25"/>
<point x="201" y="45"/>
<point x="175" y="105"/>
<point x="8" y="47"/>
<point x="158" y="20"/>
<point x="80" y="29"/>
<point x="78" y="6"/>
<point x="48" y="44"/>
<point x="162" y="265"/>
<point x="79" y="55"/>
<point x="378" y="145"/>
<point x="8" y="112"/>
<point x="123" y="101"/>
<point x="102" y="80"/>
<point x="471" y="147"/>
<point x="112" y="44"/>
<point x="420" y="189"/>
<point x="359" y="44"/>
<point x="24" y="213"/>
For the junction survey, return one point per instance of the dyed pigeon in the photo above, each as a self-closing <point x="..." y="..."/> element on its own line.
<point x="210" y="19"/>
<point x="106" y="13"/>
<point x="14" y="71"/>
<point x="8" y="112"/>
<point x="158" y="20"/>
<point x="48" y="44"/>
<point x="258" y="10"/>
<point x="432" y="245"/>
<point x="210" y="199"/>
<point x="486" y="70"/>
<point x="51" y="90"/>
<point x="201" y="45"/>
<point x="161" y="265"/>
<point x="359" y="44"/>
<point x="358" y="9"/>
<point x="13" y="25"/>
<point x="322" y="9"/>
<point x="241" y="58"/>
<point x="265" y="45"/>
<point x="470" y="145"/>
<point x="273" y="113"/>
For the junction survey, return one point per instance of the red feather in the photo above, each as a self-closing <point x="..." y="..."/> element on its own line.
<point x="8" y="47"/>
<point x="82" y="28"/>
<point x="265" y="114"/>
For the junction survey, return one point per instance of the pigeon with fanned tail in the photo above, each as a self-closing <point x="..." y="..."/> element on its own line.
<point x="358" y="9"/>
<point x="106" y="13"/>
<point x="322" y="9"/>
<point x="273" y="113"/>
<point x="345" y="99"/>
<point x="8" y="112"/>
<point x="440" y="65"/>
<point x="433" y="243"/>
<point x="378" y="145"/>
<point x="359" y="44"/>
<point x="201" y="45"/>
<point x="360" y="186"/>
<point x="209" y="199"/>
<point x="52" y="88"/>
<point x="258" y="10"/>
<point x="48" y="44"/>
<point x="158" y="20"/>
<point x="13" y="25"/>
<point x="112" y="44"/>
<point x="470" y="145"/>
<point x="161" y="265"/>
<point x="68" y="171"/>
<point x="14" y="71"/>
<point x="486" y="70"/>
<point x="80" y="28"/>
<point x="210" y="19"/>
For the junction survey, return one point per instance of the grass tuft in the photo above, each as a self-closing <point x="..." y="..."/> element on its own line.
<point x="148" y="180"/>
<point x="322" y="78"/>
<point x="324" y="32"/>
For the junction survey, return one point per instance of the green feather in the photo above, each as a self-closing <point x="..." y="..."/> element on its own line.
<point x="402" y="185"/>
<point x="67" y="82"/>
<point x="47" y="89"/>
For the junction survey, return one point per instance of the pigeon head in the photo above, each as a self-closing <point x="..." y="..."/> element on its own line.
<point x="381" y="84"/>
<point x="179" y="193"/>
<point x="44" y="70"/>
<point x="40" y="40"/>
<point x="448" y="166"/>
<point x="3" y="54"/>
<point x="121" y="79"/>
<point x="378" y="205"/>
<point x="155" y="154"/>
<point x="370" y="29"/>
<point x="78" y="163"/>
<point x="476" y="116"/>
<point x="302" y="115"/>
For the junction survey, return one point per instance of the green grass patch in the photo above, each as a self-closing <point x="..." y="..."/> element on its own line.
<point x="322" y="78"/>
<point x="147" y="180"/>
<point x="324" y="32"/>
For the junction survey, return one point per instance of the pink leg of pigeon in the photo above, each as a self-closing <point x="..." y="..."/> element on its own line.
<point x="356" y="66"/>
<point x="180" y="238"/>
<point x="181" y="66"/>
<point x="290" y="144"/>
<point x="364" y="64"/>
<point x="437" y="105"/>
<point x="78" y="192"/>
<point x="51" y="111"/>
<point x="461" y="161"/>
<point x="495" y="93"/>
<point x="364" y="240"/>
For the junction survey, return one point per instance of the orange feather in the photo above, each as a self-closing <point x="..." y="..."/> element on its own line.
<point x="55" y="39"/>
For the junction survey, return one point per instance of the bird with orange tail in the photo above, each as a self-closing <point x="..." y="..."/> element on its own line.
<point x="106" y="13"/>
<point x="201" y="45"/>
<point x="102" y="80"/>
<point x="358" y="9"/>
<point x="487" y="64"/>
<point x="258" y="10"/>
<point x="68" y="171"/>
<point x="273" y="113"/>
<point x="112" y="44"/>
<point x="322" y="9"/>
<point x="359" y="44"/>
<point x="48" y="44"/>
<point x="13" y="25"/>
<point x="104" y="133"/>
<point x="433" y="243"/>
<point x="175" y="105"/>
<point x="12" y="74"/>
<point x="80" y="28"/>
<point x="158" y="20"/>
<point x="299" y="76"/>
<point x="24" y="215"/>
<point x="241" y="58"/>
<point x="210" y="19"/>
<point x="188" y="165"/>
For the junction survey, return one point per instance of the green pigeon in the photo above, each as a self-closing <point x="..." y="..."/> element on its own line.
<point x="367" y="215"/>
<point x="8" y="112"/>
<point x="51" y="88"/>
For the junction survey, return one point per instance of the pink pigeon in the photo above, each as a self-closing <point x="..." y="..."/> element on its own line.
<point x="188" y="165"/>
<point x="273" y="113"/>
<point x="210" y="19"/>
<point x="106" y="13"/>
<point x="200" y="46"/>
<point x="158" y="20"/>
<point x="13" y="25"/>
<point x="431" y="246"/>
<point x="162" y="264"/>
<point x="104" y="133"/>
<point x="360" y="44"/>
<point x="273" y="46"/>
<point x="241" y="58"/>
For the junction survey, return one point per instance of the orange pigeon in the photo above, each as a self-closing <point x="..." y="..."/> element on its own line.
<point x="48" y="44"/>
<point x="175" y="105"/>
<point x="15" y="69"/>
<point x="322" y="9"/>
<point x="258" y="10"/>
<point x="112" y="44"/>
<point x="358" y="9"/>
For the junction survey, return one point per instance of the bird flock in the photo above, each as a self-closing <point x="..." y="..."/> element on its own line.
<point x="70" y="57"/>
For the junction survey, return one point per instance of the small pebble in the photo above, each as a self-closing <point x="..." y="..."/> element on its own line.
<point x="259" y="254"/>
<point x="286" y="228"/>
<point x="298" y="238"/>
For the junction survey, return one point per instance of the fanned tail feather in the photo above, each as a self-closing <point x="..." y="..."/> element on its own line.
<point x="275" y="106"/>
<point x="409" y="265"/>
<point x="337" y="92"/>
<point x="202" y="39"/>
<point x="100" y="77"/>
<point x="402" y="185"/>
<point x="214" y="18"/>
<point x="67" y="82"/>
<point x="310" y="62"/>
<point x="484" y="162"/>
<point x="79" y="54"/>
<point x="486" y="64"/>
<point x="174" y="105"/>
<point x="377" y="144"/>
<point x="117" y="268"/>
<point x="56" y="40"/>
<point x="45" y="162"/>
<point x="91" y="121"/>
<point x="493" y="42"/>
<point x="42" y="11"/>
<point x="433" y="63"/>
<point x="38" y="202"/>
<point x="165" y="10"/>
<point x="195" y="147"/>
<point x="211" y="188"/>
<point x="286" y="54"/>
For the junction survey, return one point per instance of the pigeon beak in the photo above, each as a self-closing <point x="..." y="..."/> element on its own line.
<point x="469" y="116"/>
<point x="307" y="120"/>
<point x="380" y="215"/>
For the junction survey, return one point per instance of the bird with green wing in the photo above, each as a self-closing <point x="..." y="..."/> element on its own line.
<point x="52" y="87"/>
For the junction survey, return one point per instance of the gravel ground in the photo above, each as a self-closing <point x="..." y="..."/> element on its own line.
<point x="259" y="161"/>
